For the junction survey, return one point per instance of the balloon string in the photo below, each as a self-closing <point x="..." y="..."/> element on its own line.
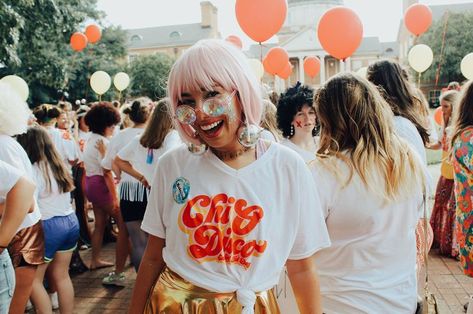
<point x="442" y="50"/>
<point x="260" y="52"/>
<point x="418" y="82"/>
<point x="100" y="98"/>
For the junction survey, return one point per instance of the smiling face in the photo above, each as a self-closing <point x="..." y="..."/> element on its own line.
<point x="218" y="132"/>
<point x="304" y="120"/>
<point x="63" y="121"/>
<point x="446" y="108"/>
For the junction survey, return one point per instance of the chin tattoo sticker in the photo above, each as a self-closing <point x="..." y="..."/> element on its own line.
<point x="180" y="190"/>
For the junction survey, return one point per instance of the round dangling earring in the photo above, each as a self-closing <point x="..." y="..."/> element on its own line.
<point x="248" y="135"/>
<point x="292" y="130"/>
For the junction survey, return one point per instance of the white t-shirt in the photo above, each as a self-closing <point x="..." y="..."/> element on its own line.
<point x="371" y="265"/>
<point x="137" y="155"/>
<point x="12" y="153"/>
<point x="267" y="135"/>
<point x="64" y="144"/>
<point x="82" y="137"/>
<point x="51" y="203"/>
<point x="91" y="156"/>
<point x="407" y="130"/>
<point x="10" y="177"/>
<point x="305" y="154"/>
<point x="268" y="208"/>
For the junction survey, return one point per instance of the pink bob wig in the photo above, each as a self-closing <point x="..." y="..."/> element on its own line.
<point x="213" y="62"/>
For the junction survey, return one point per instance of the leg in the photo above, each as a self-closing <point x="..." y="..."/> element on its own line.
<point x="122" y="247"/>
<point x="97" y="238"/>
<point x="63" y="283"/>
<point x="39" y="296"/>
<point x="24" y="277"/>
<point x="138" y="238"/>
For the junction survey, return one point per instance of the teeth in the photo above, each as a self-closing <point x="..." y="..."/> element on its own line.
<point x="210" y="126"/>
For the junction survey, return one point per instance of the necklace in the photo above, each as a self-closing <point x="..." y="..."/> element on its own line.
<point x="230" y="155"/>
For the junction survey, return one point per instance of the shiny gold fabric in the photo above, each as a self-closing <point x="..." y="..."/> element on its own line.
<point x="27" y="246"/>
<point x="173" y="294"/>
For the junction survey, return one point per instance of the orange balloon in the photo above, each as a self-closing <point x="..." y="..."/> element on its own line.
<point x="267" y="68"/>
<point x="438" y="116"/>
<point x="78" y="41"/>
<point x="260" y="19"/>
<point x="312" y="66"/>
<point x="286" y="71"/>
<point x="235" y="40"/>
<point x="418" y="18"/>
<point x="93" y="33"/>
<point x="276" y="60"/>
<point x="340" y="32"/>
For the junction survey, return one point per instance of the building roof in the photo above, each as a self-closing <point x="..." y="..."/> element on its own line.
<point x="170" y="35"/>
<point x="439" y="10"/>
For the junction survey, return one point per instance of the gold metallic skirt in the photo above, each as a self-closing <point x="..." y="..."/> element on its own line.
<point x="173" y="294"/>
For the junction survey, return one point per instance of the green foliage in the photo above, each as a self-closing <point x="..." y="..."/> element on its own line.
<point x="458" y="43"/>
<point x="149" y="75"/>
<point x="34" y="44"/>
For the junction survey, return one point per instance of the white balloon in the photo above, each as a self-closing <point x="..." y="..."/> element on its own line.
<point x="257" y="68"/>
<point x="100" y="82"/>
<point x="466" y="66"/>
<point x="18" y="84"/>
<point x="420" y="57"/>
<point x="121" y="80"/>
<point x="362" y="71"/>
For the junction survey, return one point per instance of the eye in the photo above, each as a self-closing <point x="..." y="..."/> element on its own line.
<point x="211" y="94"/>
<point x="188" y="102"/>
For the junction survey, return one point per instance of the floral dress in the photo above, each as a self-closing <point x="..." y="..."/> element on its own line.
<point x="463" y="166"/>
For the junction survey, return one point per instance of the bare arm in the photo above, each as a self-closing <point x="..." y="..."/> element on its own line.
<point x="128" y="168"/>
<point x="435" y="146"/>
<point x="305" y="284"/>
<point x="151" y="266"/>
<point x="107" y="174"/>
<point x="18" y="202"/>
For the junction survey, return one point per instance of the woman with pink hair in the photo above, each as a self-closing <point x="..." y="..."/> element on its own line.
<point x="223" y="222"/>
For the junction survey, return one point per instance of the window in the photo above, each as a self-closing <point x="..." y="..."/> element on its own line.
<point x="175" y="35"/>
<point x="434" y="98"/>
<point x="135" y="38"/>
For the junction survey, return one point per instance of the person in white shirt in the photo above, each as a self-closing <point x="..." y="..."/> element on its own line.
<point x="223" y="224"/>
<point x="26" y="249"/>
<point x="139" y="159"/>
<point x="99" y="185"/>
<point x="297" y="120"/>
<point x="370" y="182"/>
<point x="269" y="123"/>
<point x="130" y="189"/>
<point x="60" y="224"/>
<point x="17" y="191"/>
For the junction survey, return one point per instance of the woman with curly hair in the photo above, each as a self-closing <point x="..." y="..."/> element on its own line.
<point x="99" y="186"/>
<point x="297" y="120"/>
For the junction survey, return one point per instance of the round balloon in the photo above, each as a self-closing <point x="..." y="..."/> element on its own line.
<point x="466" y="66"/>
<point x="285" y="73"/>
<point x="418" y="18"/>
<point x="438" y="116"/>
<point x="78" y="41"/>
<point x="420" y="57"/>
<point x="312" y="66"/>
<point x="340" y="32"/>
<point x="93" y="33"/>
<point x="235" y="40"/>
<point x="18" y="85"/>
<point x="276" y="60"/>
<point x="121" y="80"/>
<point x="257" y="68"/>
<point x="260" y="19"/>
<point x="100" y="82"/>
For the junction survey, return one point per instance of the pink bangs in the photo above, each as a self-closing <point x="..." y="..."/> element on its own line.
<point x="215" y="62"/>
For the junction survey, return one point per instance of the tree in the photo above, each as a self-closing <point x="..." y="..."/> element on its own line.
<point x="149" y="75"/>
<point x="458" y="43"/>
<point x="34" y="44"/>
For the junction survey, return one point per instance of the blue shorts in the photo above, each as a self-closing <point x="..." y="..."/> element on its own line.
<point x="60" y="235"/>
<point x="7" y="281"/>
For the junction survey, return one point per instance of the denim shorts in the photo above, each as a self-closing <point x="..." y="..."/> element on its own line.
<point x="60" y="235"/>
<point x="7" y="281"/>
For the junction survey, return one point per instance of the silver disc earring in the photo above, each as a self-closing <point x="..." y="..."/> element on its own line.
<point x="248" y="135"/>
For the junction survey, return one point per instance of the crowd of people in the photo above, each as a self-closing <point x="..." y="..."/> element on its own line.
<point x="218" y="189"/>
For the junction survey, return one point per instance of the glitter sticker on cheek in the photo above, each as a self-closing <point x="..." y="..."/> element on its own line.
<point x="231" y="114"/>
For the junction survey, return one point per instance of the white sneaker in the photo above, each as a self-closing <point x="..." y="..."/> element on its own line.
<point x="113" y="279"/>
<point x="54" y="300"/>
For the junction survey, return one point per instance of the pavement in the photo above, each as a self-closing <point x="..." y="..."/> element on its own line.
<point x="451" y="288"/>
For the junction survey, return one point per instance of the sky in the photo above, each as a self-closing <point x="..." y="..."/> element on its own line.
<point x="380" y="18"/>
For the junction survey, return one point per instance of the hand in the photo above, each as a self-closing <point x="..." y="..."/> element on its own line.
<point x="143" y="181"/>
<point x="116" y="207"/>
<point x="100" y="146"/>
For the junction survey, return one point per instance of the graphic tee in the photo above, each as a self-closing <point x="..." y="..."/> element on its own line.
<point x="233" y="230"/>
<point x="371" y="264"/>
<point x="13" y="154"/>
